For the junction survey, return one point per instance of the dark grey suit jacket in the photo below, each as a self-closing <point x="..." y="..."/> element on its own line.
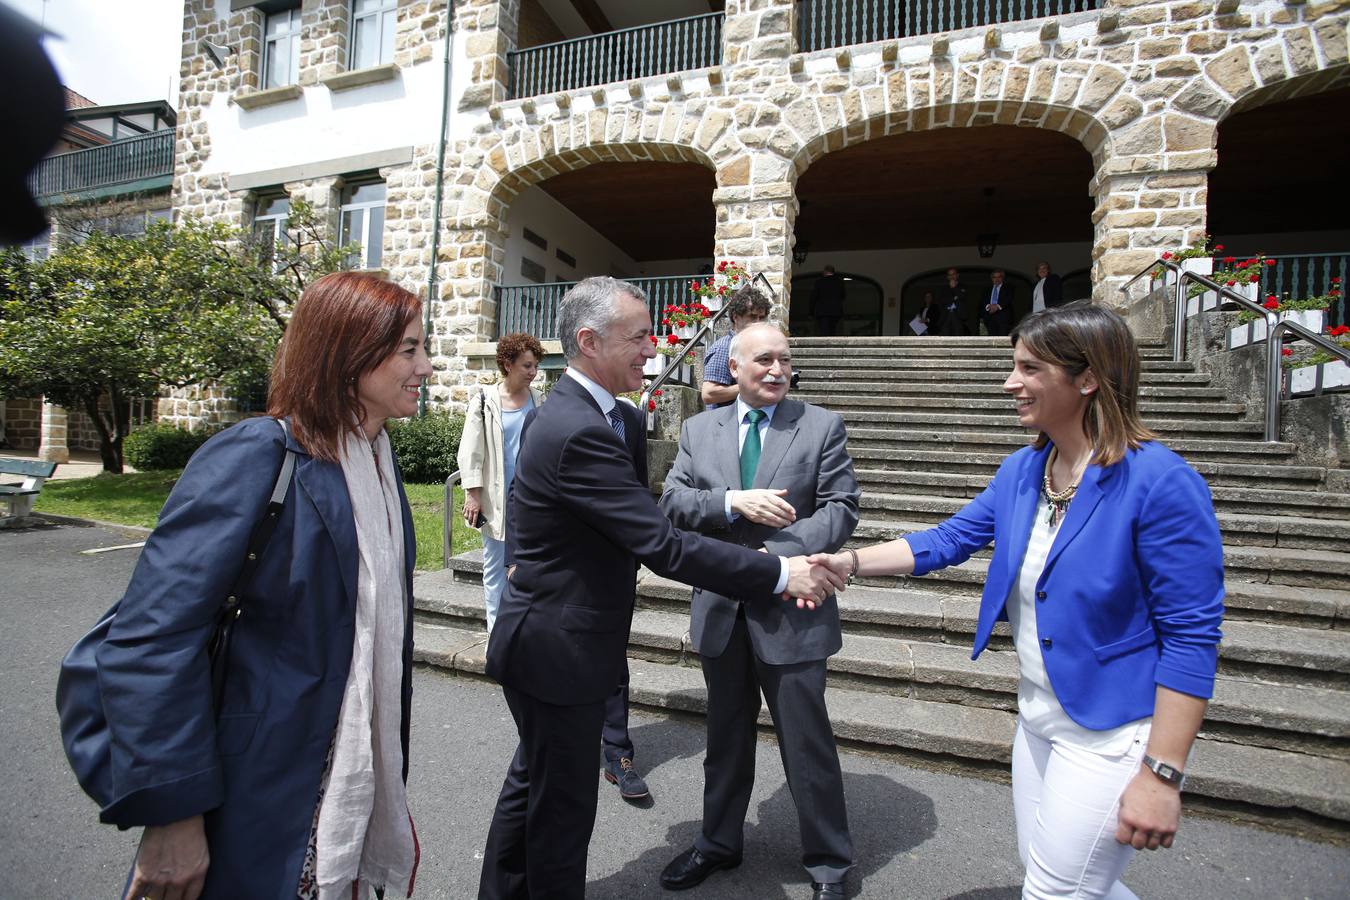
<point x="805" y="452"/>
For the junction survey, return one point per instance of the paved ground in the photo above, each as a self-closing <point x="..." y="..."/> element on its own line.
<point x="919" y="834"/>
<point x="82" y="463"/>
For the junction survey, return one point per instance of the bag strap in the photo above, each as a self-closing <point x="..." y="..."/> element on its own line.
<point x="262" y="532"/>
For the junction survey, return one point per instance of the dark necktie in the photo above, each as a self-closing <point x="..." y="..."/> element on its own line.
<point x="750" y="449"/>
<point x="616" y="420"/>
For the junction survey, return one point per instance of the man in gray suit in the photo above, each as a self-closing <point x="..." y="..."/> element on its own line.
<point x="772" y="473"/>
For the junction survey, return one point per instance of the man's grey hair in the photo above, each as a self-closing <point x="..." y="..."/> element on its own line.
<point x="592" y="303"/>
<point x="734" y="348"/>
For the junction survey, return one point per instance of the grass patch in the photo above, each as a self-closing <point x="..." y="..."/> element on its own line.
<point x="135" y="498"/>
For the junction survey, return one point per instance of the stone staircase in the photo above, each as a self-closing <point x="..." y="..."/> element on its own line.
<point x="928" y="425"/>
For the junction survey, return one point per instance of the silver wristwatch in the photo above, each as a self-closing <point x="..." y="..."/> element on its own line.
<point x="1168" y="773"/>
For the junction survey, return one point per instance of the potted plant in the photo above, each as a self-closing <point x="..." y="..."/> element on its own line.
<point x="685" y="318"/>
<point x="668" y="347"/>
<point x="712" y="292"/>
<point x="1310" y="312"/>
<point x="1318" y="371"/>
<point x="1199" y="259"/>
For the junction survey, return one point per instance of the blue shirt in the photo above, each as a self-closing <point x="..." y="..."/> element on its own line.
<point x="716" y="367"/>
<point x="513" y="420"/>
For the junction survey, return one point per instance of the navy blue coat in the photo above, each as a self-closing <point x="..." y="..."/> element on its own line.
<point x="255" y="772"/>
<point x="1131" y="596"/>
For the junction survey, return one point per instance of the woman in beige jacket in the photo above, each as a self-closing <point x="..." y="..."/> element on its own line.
<point x="488" y="449"/>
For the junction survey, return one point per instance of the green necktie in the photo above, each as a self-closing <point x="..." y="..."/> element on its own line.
<point x="750" y="449"/>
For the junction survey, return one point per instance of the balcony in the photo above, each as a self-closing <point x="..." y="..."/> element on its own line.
<point x="623" y="55"/>
<point x="141" y="163"/>
<point x="839" y="23"/>
<point x="1309" y="275"/>
<point x="533" y="308"/>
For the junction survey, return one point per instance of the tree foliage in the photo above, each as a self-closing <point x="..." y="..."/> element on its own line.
<point x="114" y="318"/>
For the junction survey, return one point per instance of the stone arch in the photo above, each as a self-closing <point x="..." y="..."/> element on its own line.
<point x="1276" y="89"/>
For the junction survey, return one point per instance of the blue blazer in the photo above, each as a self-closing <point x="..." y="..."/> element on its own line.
<point x="1132" y="592"/>
<point x="255" y="771"/>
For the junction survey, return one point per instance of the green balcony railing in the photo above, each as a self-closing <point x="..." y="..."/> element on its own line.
<point x="533" y="308"/>
<point x="623" y="55"/>
<point x="840" y="23"/>
<point x="1309" y="275"/>
<point x="121" y="162"/>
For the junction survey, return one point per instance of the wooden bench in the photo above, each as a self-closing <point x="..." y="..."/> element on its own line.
<point x="21" y="496"/>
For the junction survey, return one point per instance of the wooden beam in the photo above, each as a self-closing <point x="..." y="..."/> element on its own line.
<point x="592" y="15"/>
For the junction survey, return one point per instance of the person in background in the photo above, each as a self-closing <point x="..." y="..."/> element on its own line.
<point x="746" y="306"/>
<point x="1109" y="567"/>
<point x="1049" y="290"/>
<point x="997" y="313"/>
<point x="827" y="302"/>
<point x="295" y="787"/>
<point x="488" y="449"/>
<point x="957" y="315"/>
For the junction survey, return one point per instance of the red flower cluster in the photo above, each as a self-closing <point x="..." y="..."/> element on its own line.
<point x="1271" y="303"/>
<point x="651" y="406"/>
<point x="1339" y="331"/>
<point x="1286" y="352"/>
<point x="1335" y="288"/>
<point x="686" y="313"/>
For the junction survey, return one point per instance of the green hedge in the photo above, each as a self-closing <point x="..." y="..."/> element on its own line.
<point x="426" y="447"/>
<point x="162" y="446"/>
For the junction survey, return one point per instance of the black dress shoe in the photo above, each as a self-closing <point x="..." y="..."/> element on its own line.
<point x="690" y="868"/>
<point x="834" y="890"/>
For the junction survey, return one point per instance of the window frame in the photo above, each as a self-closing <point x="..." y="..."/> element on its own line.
<point x="364" y="239"/>
<point x="277" y="223"/>
<point x="385" y="15"/>
<point x="291" y="38"/>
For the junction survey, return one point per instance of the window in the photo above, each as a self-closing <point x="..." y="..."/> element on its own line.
<point x="373" y="23"/>
<point x="536" y="239"/>
<point x="281" y="49"/>
<point x="532" y="271"/>
<point x="363" y="222"/>
<point x="269" y="224"/>
<point x="38" y="248"/>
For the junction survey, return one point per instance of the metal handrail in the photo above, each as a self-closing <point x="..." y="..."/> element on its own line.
<point x="1274" y="327"/>
<point x="448" y="526"/>
<point x="701" y="334"/>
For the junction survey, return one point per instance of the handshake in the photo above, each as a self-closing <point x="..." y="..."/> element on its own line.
<point x="813" y="578"/>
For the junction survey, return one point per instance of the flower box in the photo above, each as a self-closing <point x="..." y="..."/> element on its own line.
<point x="685" y="332"/>
<point x="1306" y="380"/>
<point x="1255" y="332"/>
<point x="654" y="365"/>
<point x="1203" y="303"/>
<point x="713" y="302"/>
<point x="1311" y="319"/>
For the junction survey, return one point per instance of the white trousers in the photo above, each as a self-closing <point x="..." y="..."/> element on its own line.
<point x="494" y="577"/>
<point x="1066" y="799"/>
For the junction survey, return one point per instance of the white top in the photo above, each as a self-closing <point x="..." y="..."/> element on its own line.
<point x="1038" y="296"/>
<point x="1036" y="700"/>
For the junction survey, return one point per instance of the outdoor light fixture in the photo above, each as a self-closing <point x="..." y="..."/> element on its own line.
<point x="216" y="53"/>
<point x="799" y="252"/>
<point x="987" y="242"/>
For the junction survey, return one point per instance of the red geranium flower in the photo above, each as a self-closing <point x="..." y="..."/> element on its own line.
<point x="1254" y="279"/>
<point x="1230" y="259"/>
<point x="652" y="338"/>
<point x="656" y="393"/>
<point x="1270" y="262"/>
<point x="651" y="406"/>
<point x="1335" y="281"/>
<point x="1286" y="352"/>
<point x="1243" y="265"/>
<point x="672" y="339"/>
<point x="1230" y="283"/>
<point x="1339" y="330"/>
<point x="1218" y="248"/>
<point x="1272" y="303"/>
<point x="1167" y="255"/>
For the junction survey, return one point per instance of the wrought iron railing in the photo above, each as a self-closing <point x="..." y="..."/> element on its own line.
<point x="1309" y="275"/>
<point x="840" y="23"/>
<point x="623" y="55"/>
<point x="133" y="159"/>
<point x="533" y="308"/>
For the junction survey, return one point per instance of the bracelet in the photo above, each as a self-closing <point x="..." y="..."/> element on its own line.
<point x="854" y="571"/>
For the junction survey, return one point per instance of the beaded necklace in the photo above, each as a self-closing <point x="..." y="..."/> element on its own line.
<point x="1058" y="500"/>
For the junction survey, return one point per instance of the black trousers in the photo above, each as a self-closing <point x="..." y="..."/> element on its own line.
<point x="541" y="829"/>
<point x="796" y="698"/>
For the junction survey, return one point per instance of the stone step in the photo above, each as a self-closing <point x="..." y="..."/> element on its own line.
<point x="937" y="465"/>
<point x="992" y="378"/>
<point x="1331" y="533"/>
<point x="1259" y="780"/>
<point x="1150" y="409"/>
<point x="1193" y="448"/>
<point x="1006" y="422"/>
<point x="942" y="361"/>
<point x="880" y="348"/>
<point x="893" y="389"/>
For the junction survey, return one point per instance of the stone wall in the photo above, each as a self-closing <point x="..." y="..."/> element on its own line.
<point x="23" y="423"/>
<point x="196" y="407"/>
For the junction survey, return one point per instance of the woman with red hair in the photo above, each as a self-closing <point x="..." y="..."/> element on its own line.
<point x="294" y="786"/>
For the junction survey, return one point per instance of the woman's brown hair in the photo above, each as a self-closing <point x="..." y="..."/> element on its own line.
<point x="1080" y="336"/>
<point x="512" y="345"/>
<point x="343" y="327"/>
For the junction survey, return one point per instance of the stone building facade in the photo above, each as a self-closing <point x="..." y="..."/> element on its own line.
<point x="1141" y="85"/>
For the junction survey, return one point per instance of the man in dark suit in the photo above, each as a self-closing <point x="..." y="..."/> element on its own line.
<point x="799" y="497"/>
<point x="1049" y="290"/>
<point x="580" y="523"/>
<point x="996" y="313"/>
<point x="827" y="302"/>
<point x="958" y="312"/>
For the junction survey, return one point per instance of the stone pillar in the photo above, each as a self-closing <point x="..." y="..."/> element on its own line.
<point x="325" y="195"/>
<point x="489" y="30"/>
<point x="754" y="222"/>
<point x="470" y="263"/>
<point x="54" y="429"/>
<point x="323" y="39"/>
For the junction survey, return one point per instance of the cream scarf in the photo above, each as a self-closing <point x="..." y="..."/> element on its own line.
<point x="365" y="833"/>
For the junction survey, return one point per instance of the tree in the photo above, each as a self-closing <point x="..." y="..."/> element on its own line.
<point x="115" y="318"/>
<point x="278" y="272"/>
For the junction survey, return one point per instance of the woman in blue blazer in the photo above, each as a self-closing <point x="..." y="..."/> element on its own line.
<point x="1108" y="564"/>
<point x="309" y="748"/>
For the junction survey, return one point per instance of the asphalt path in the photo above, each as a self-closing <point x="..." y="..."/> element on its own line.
<point x="918" y="833"/>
